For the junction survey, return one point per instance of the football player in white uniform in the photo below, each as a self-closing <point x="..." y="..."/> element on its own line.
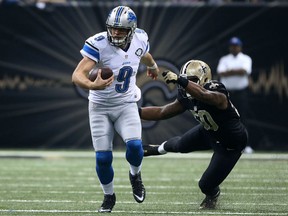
<point x="112" y="102"/>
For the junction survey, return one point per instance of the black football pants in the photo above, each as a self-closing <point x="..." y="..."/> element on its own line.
<point x="222" y="161"/>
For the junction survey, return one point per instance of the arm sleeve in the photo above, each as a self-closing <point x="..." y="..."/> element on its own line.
<point x="90" y="50"/>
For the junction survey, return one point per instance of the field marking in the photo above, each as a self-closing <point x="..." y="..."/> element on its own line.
<point x="132" y="202"/>
<point x="144" y="212"/>
<point x="121" y="154"/>
<point x="150" y="192"/>
<point x="162" y="187"/>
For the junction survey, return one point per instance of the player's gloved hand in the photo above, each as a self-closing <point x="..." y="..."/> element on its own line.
<point x="170" y="77"/>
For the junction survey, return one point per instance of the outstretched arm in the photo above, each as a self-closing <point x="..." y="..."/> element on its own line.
<point x="209" y="97"/>
<point x="214" y="98"/>
<point x="161" y="112"/>
<point x="152" y="68"/>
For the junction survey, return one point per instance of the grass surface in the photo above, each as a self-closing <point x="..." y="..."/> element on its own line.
<point x="65" y="183"/>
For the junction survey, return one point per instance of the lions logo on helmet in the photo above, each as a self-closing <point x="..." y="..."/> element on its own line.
<point x="121" y="17"/>
<point x="196" y="71"/>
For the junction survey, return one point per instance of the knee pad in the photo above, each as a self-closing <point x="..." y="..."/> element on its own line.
<point x="104" y="166"/>
<point x="134" y="152"/>
<point x="134" y="145"/>
<point x="104" y="158"/>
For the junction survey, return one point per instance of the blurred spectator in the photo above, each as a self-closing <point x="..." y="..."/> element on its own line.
<point x="234" y="70"/>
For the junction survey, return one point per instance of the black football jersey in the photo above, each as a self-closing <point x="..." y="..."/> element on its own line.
<point x="224" y="125"/>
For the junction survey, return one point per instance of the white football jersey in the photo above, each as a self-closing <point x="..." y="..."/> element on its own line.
<point x="124" y="65"/>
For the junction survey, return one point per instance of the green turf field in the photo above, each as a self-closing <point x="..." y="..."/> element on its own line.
<point x="64" y="183"/>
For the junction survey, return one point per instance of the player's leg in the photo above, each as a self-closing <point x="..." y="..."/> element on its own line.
<point x="102" y="142"/>
<point x="192" y="140"/>
<point x="221" y="164"/>
<point x="128" y="125"/>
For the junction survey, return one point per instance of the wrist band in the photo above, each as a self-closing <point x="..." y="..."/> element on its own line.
<point x="182" y="82"/>
<point x="153" y="67"/>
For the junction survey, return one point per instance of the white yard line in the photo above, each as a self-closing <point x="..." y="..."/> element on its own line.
<point x="132" y="202"/>
<point x="121" y="154"/>
<point x="144" y="212"/>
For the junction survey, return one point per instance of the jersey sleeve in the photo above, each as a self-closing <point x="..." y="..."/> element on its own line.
<point x="143" y="37"/>
<point x="92" y="46"/>
<point x="216" y="86"/>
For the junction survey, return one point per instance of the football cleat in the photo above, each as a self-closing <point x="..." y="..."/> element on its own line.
<point x="210" y="202"/>
<point x="150" y="150"/>
<point x="138" y="188"/>
<point x="108" y="203"/>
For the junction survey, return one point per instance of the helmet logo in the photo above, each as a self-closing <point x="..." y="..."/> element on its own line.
<point x="131" y="17"/>
<point x="204" y="68"/>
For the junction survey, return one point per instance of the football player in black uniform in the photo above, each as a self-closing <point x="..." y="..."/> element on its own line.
<point x="220" y="127"/>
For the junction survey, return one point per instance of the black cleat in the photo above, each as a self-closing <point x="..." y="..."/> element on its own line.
<point x="209" y="202"/>
<point x="150" y="150"/>
<point x="108" y="203"/>
<point x="138" y="188"/>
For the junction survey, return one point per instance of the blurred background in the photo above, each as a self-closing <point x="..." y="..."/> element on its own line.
<point x="39" y="48"/>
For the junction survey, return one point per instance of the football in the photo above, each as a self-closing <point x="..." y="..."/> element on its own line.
<point x="106" y="73"/>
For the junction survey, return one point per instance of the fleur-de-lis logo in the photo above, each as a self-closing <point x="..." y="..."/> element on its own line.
<point x="213" y="85"/>
<point x="204" y="68"/>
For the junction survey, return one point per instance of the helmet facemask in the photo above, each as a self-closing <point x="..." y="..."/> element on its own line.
<point x="119" y="41"/>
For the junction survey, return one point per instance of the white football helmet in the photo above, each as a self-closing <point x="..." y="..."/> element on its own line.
<point x="121" y="17"/>
<point x="196" y="71"/>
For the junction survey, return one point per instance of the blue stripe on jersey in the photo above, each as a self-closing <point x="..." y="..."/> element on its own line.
<point x="118" y="15"/>
<point x="91" y="51"/>
<point x="147" y="47"/>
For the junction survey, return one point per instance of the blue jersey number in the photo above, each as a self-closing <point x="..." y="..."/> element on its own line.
<point x="101" y="37"/>
<point x="124" y="76"/>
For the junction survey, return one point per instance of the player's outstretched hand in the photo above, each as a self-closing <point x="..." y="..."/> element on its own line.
<point x="153" y="73"/>
<point x="170" y="77"/>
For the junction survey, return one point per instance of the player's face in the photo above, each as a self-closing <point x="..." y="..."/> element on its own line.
<point x="119" y="33"/>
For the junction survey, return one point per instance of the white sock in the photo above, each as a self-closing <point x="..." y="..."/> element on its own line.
<point x="135" y="170"/>
<point x="161" y="149"/>
<point x="108" y="188"/>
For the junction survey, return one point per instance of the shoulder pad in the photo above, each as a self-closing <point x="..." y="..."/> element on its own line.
<point x="141" y="34"/>
<point x="215" y="85"/>
<point x="98" y="40"/>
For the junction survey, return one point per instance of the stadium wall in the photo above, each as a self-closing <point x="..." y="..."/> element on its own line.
<point x="41" y="108"/>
